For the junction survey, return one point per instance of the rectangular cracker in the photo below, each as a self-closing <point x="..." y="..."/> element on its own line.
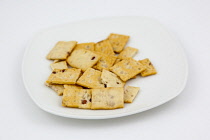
<point x="127" y="52"/>
<point x="108" y="98"/>
<point x="59" y="65"/>
<point x="87" y="46"/>
<point x="150" y="69"/>
<point x="65" y="76"/>
<point x="57" y="88"/>
<point x="83" y="59"/>
<point x="61" y="50"/>
<point x="110" y="79"/>
<point x="130" y="93"/>
<point x="105" y="62"/>
<point x="104" y="47"/>
<point x="91" y="78"/>
<point x="78" y="98"/>
<point x="73" y="86"/>
<point x="128" y="68"/>
<point x="118" y="41"/>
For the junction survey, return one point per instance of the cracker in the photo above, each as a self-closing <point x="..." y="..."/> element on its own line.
<point x="55" y="61"/>
<point x="118" y="41"/>
<point x="117" y="60"/>
<point x="65" y="76"/>
<point x="86" y="46"/>
<point x="108" y="98"/>
<point x="128" y="68"/>
<point x="61" y="50"/>
<point x="59" y="65"/>
<point x="78" y="98"/>
<point x="57" y="88"/>
<point x="105" y="62"/>
<point x="130" y="93"/>
<point x="73" y="86"/>
<point x="127" y="52"/>
<point x="134" y="77"/>
<point x="110" y="79"/>
<point x="91" y="78"/>
<point x="83" y="59"/>
<point x="104" y="47"/>
<point x="150" y="69"/>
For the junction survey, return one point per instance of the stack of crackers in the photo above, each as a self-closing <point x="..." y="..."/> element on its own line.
<point x="93" y="75"/>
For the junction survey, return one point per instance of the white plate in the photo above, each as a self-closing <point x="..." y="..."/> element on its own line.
<point x="149" y="36"/>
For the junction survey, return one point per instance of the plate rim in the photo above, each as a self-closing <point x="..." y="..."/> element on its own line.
<point x="128" y="113"/>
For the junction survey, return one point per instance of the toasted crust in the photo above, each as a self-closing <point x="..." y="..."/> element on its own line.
<point x="130" y="93"/>
<point x="91" y="78"/>
<point x="61" y="50"/>
<point x="111" y="80"/>
<point x="128" y="68"/>
<point x="118" y="41"/>
<point x="66" y="76"/>
<point x="83" y="59"/>
<point x="107" y="98"/>
<point x="150" y="69"/>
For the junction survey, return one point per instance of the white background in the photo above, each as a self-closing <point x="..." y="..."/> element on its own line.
<point x="186" y="117"/>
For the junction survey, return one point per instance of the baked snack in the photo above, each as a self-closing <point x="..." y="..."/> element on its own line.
<point x="130" y="93"/>
<point x="117" y="60"/>
<point x="127" y="52"/>
<point x="78" y="98"/>
<point x="134" y="77"/>
<point x="118" y="41"/>
<point x="107" y="98"/>
<point x="59" y="65"/>
<point x="73" y="86"/>
<point x="128" y="68"/>
<point x="104" y="47"/>
<point x="105" y="62"/>
<point x="57" y="88"/>
<point x="65" y="76"/>
<point x="150" y="69"/>
<point x="83" y="59"/>
<point x="98" y="76"/>
<point x="86" y="46"/>
<point x="110" y="79"/>
<point x="61" y="50"/>
<point x="91" y="78"/>
<point x="55" y="61"/>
